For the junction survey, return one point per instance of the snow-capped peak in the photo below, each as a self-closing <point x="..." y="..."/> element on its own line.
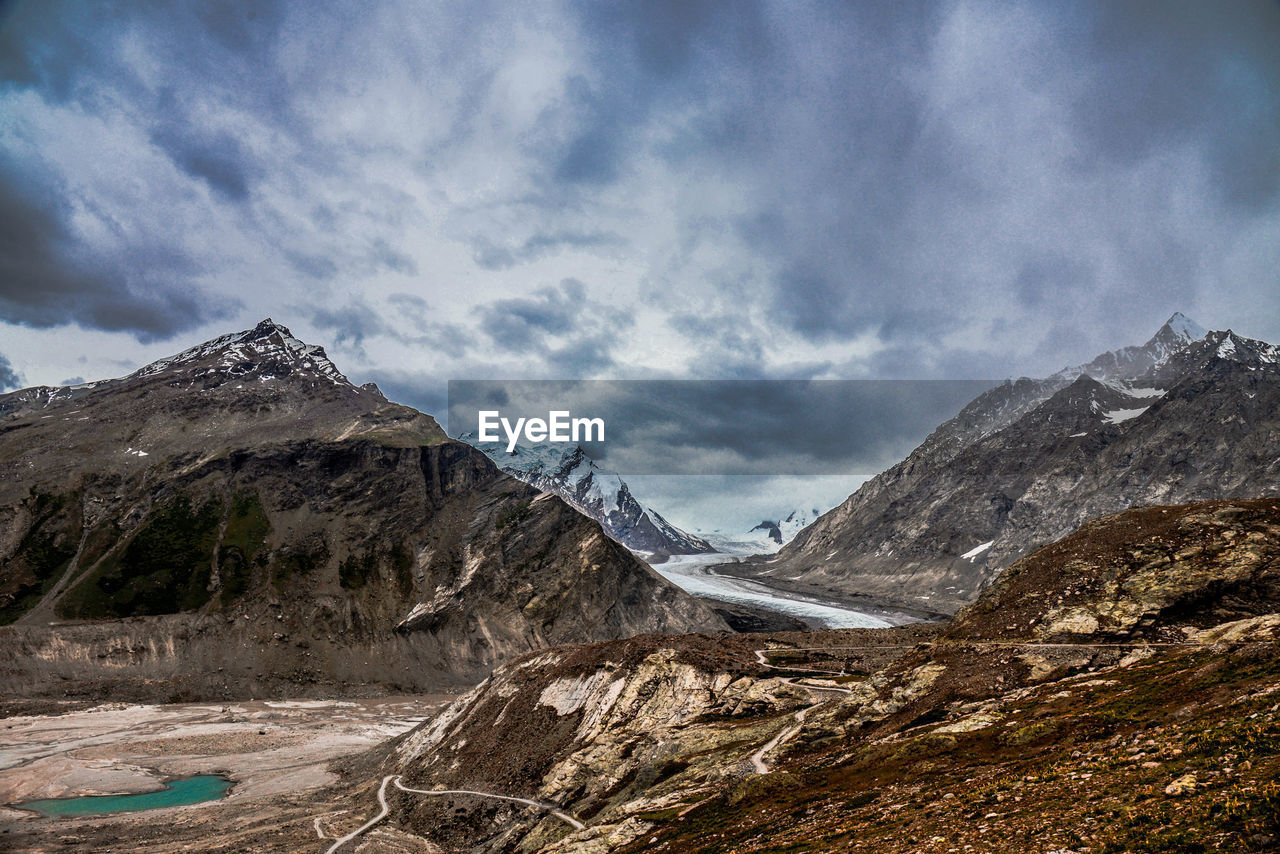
<point x="765" y="538"/>
<point x="598" y="493"/>
<point x="242" y="353"/>
<point x="1129" y="363"/>
<point x="1184" y="327"/>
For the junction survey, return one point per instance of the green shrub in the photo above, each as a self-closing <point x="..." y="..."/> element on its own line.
<point x="245" y="535"/>
<point x="356" y="570"/>
<point x="510" y="513"/>
<point x="164" y="569"/>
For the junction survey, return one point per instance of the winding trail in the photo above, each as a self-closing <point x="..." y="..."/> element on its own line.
<point x="320" y="834"/>
<point x="757" y="758"/>
<point x="551" y="808"/>
<point x="382" y="800"/>
<point x="399" y="784"/>
<point x="835" y="689"/>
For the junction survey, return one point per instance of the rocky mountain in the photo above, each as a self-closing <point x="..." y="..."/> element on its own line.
<point x="1181" y="418"/>
<point x="1113" y="691"/>
<point x="240" y="519"/>
<point x="600" y="494"/>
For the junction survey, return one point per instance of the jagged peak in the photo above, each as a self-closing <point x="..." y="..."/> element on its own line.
<point x="1178" y="327"/>
<point x="265" y="329"/>
<point x="1177" y="333"/>
<point x="1219" y="344"/>
<point x="239" y="349"/>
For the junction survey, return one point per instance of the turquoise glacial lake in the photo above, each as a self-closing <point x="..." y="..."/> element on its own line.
<point x="189" y="790"/>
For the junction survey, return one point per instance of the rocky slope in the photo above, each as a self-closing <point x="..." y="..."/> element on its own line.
<point x="601" y="495"/>
<point x="622" y="728"/>
<point x="1114" y="691"/>
<point x="242" y="520"/>
<point x="1178" y="419"/>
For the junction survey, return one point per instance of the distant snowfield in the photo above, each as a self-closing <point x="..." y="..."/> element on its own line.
<point x="695" y="574"/>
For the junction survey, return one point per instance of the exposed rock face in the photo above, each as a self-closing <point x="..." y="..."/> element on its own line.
<point x="597" y="726"/>
<point x="240" y="519"/>
<point x="602" y="495"/>
<point x="1123" y="661"/>
<point x="1151" y="572"/>
<point x="1028" y="462"/>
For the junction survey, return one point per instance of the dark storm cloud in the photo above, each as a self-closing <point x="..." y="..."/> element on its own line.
<point x="1053" y="272"/>
<point x="732" y="339"/>
<point x="410" y="305"/>
<point x="130" y="279"/>
<point x="596" y="152"/>
<point x="49" y="278"/>
<point x="962" y="188"/>
<point x="1197" y="73"/>
<point x="1139" y="82"/>
<point x="408" y="322"/>
<point x="572" y="334"/>
<point x="218" y="159"/>
<point x="312" y="266"/>
<point x="898" y="177"/>
<point x="351" y="324"/>
<point x="224" y="46"/>
<point x="43" y="43"/>
<point x="809" y="113"/>
<point x="9" y="378"/>
<point x="521" y="323"/>
<point x="654" y="57"/>
<point x="731" y="347"/>
<point x="388" y="257"/>
<point x="839" y="213"/>
<point x="583" y="356"/>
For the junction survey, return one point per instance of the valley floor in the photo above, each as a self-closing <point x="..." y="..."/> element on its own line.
<point x="1085" y="762"/>
<point x="299" y="766"/>
<point x="278" y="753"/>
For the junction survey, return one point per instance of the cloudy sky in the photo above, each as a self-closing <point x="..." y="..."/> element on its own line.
<point x="625" y="190"/>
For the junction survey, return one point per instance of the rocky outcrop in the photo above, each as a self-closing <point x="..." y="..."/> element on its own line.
<point x="1112" y="593"/>
<point x="1153" y="572"/>
<point x="607" y="727"/>
<point x="241" y="520"/>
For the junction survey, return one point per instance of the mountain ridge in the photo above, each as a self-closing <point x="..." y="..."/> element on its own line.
<point x="240" y="519"/>
<point x="1028" y="461"/>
